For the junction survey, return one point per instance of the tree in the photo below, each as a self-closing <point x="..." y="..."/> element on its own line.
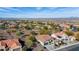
<point x="32" y="38"/>
<point x="77" y="36"/>
<point x="29" y="27"/>
<point x="19" y="33"/>
<point x="14" y="30"/>
<point x="2" y="26"/>
<point x="69" y="33"/>
<point x="34" y="33"/>
<point x="28" y="43"/>
<point x="78" y="29"/>
<point x="45" y="27"/>
<point x="43" y="31"/>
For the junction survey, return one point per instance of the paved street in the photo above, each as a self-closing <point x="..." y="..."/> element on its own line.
<point x="69" y="47"/>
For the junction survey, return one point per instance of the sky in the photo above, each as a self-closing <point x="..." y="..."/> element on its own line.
<point x="39" y="12"/>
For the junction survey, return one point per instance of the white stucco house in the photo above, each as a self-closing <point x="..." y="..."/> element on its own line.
<point x="72" y="38"/>
<point x="63" y="37"/>
<point x="46" y="41"/>
<point x="55" y="40"/>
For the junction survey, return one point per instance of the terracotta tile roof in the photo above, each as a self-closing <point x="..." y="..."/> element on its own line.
<point x="43" y="38"/>
<point x="27" y="32"/>
<point x="59" y="33"/>
<point x="54" y="35"/>
<point x="65" y="25"/>
<point x="11" y="43"/>
<point x="0" y="43"/>
<point x="77" y="25"/>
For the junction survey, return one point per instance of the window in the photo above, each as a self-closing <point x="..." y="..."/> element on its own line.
<point x="46" y="43"/>
<point x="59" y="36"/>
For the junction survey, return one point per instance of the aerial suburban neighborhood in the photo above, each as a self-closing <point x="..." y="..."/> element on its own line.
<point x="39" y="28"/>
<point x="35" y="35"/>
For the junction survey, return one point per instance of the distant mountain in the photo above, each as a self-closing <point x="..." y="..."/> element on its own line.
<point x="70" y="18"/>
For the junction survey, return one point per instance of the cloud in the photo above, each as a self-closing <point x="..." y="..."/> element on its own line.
<point x="13" y="9"/>
<point x="3" y="10"/>
<point x="39" y="12"/>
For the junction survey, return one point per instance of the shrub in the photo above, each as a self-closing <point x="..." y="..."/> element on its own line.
<point x="77" y="36"/>
<point x="69" y="33"/>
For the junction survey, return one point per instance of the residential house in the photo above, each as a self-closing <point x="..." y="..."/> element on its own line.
<point x="73" y="28"/>
<point x="23" y="25"/>
<point x="36" y="31"/>
<point x="2" y="46"/>
<point x="12" y="25"/>
<point x="64" y="27"/>
<point x="60" y="36"/>
<point x="72" y="38"/>
<point x="46" y="41"/>
<point x="10" y="45"/>
<point x="42" y="38"/>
